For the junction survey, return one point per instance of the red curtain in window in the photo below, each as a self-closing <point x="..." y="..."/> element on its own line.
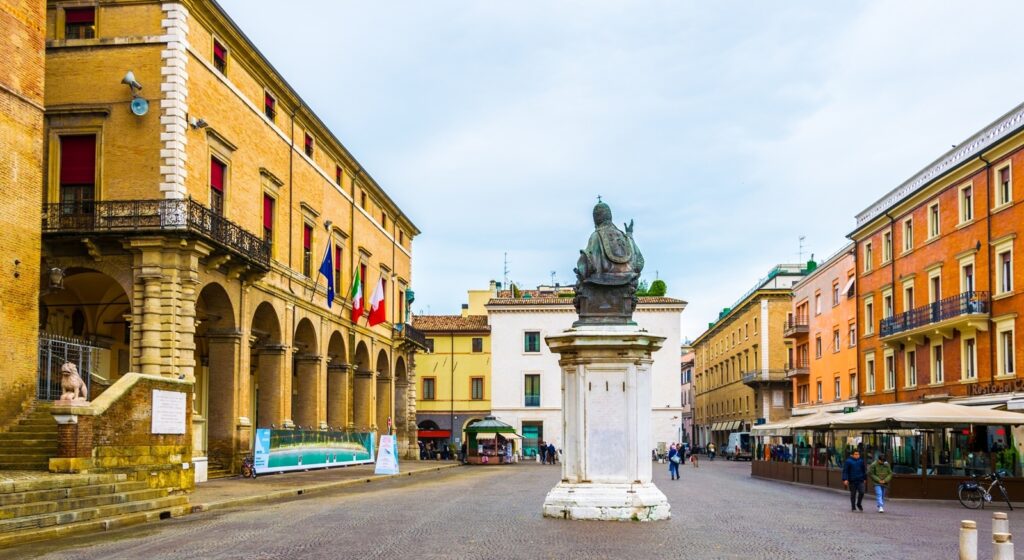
<point x="268" y="212"/>
<point x="268" y="101"/>
<point x="217" y="175"/>
<point x="80" y="15"/>
<point x="78" y="160"/>
<point x="307" y="237"/>
<point x="309" y="142"/>
<point x="219" y="51"/>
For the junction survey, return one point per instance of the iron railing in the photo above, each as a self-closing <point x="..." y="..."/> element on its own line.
<point x="54" y="352"/>
<point x="413" y="335"/>
<point x="150" y="215"/>
<point x="532" y="400"/>
<point x="795" y="325"/>
<point x="764" y="375"/>
<point x="967" y="303"/>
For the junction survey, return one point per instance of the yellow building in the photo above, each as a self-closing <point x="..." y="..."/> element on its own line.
<point x="740" y="361"/>
<point x="190" y="231"/>
<point x="455" y="374"/>
<point x="21" y="150"/>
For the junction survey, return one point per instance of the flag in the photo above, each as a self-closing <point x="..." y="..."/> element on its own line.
<point x="357" y="297"/>
<point x="327" y="269"/>
<point x="377" y="313"/>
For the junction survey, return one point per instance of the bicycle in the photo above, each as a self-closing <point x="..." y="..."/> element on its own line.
<point x="973" y="495"/>
<point x="248" y="468"/>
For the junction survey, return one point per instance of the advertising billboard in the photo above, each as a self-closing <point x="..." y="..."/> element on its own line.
<point x="289" y="450"/>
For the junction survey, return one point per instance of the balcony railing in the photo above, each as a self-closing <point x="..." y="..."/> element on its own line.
<point x="155" y="215"/>
<point x="764" y="376"/>
<point x="412" y="334"/>
<point x="798" y="368"/>
<point x="967" y="303"/>
<point x="794" y="326"/>
<point x="532" y="400"/>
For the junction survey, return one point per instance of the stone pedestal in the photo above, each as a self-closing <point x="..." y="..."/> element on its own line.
<point x="606" y="420"/>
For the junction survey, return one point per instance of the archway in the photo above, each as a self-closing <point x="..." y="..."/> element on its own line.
<point x="216" y="404"/>
<point x="385" y="392"/>
<point x="337" y="382"/>
<point x="404" y="425"/>
<point x="305" y="376"/>
<point x="362" y="390"/>
<point x="87" y="322"/>
<point x="267" y="360"/>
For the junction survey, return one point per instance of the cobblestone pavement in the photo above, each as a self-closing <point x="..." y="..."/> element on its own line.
<point x="718" y="511"/>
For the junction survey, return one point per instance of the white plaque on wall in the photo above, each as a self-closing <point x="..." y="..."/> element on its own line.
<point x="168" y="412"/>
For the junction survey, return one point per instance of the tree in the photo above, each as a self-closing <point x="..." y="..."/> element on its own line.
<point x="658" y="288"/>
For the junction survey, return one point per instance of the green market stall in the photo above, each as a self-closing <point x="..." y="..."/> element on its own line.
<point x="491" y="442"/>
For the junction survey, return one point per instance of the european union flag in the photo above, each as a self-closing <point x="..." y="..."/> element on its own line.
<point x="327" y="269"/>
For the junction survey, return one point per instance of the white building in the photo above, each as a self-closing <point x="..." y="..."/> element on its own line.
<point x="526" y="381"/>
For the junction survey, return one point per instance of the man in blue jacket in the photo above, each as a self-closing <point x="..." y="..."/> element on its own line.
<point x="855" y="472"/>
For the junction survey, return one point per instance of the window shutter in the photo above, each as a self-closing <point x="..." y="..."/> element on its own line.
<point x="219" y="51"/>
<point x="307" y="237"/>
<point x="217" y="175"/>
<point x="80" y="16"/>
<point x="268" y="212"/>
<point x="78" y="160"/>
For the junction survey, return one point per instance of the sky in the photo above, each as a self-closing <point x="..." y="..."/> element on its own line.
<point x="725" y="129"/>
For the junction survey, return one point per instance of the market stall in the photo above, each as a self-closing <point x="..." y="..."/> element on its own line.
<point x="492" y="442"/>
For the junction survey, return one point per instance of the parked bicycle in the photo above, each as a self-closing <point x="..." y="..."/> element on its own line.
<point x="973" y="494"/>
<point x="248" y="468"/>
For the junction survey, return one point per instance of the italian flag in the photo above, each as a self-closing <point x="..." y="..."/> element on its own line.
<point x="357" y="297"/>
<point x="377" y="313"/>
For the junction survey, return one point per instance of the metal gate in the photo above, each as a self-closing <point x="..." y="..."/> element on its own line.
<point x="54" y="351"/>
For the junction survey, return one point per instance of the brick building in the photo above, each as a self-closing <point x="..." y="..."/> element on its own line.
<point x="190" y="233"/>
<point x="823" y="329"/>
<point x="21" y="149"/>
<point x="937" y="281"/>
<point x="740" y="361"/>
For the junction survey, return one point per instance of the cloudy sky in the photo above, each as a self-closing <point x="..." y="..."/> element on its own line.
<point x="726" y="129"/>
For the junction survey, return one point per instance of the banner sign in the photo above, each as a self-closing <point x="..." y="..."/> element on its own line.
<point x="387" y="459"/>
<point x="290" y="450"/>
<point x="168" y="412"/>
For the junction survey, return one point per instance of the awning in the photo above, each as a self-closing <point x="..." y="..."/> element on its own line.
<point x="735" y="425"/>
<point x="485" y="435"/>
<point x="511" y="436"/>
<point x="933" y="414"/>
<point x="773" y="429"/>
<point x="434" y="433"/>
<point x="848" y="288"/>
<point x="714" y="427"/>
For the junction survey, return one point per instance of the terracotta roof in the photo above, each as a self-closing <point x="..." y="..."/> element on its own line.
<point x="568" y="301"/>
<point x="449" y="323"/>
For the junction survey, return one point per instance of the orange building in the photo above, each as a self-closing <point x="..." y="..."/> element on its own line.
<point x="823" y="331"/>
<point x="937" y="281"/>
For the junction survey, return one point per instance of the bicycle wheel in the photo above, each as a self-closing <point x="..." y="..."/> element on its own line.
<point x="970" y="498"/>
<point x="1006" y="496"/>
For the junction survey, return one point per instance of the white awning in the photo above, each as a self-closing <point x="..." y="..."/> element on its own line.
<point x="848" y="289"/>
<point x="485" y="435"/>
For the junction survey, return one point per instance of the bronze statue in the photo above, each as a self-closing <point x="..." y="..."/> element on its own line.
<point x="72" y="384"/>
<point x="607" y="273"/>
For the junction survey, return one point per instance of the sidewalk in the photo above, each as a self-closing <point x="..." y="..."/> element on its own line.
<point x="236" y="491"/>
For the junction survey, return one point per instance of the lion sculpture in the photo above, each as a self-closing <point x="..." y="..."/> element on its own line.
<point x="72" y="384"/>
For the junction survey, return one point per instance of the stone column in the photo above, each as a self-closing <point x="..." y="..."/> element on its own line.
<point x="222" y="395"/>
<point x="337" y="395"/>
<point x="385" y="389"/>
<point x="271" y="379"/>
<point x="304" y="404"/>
<point x="363" y="409"/>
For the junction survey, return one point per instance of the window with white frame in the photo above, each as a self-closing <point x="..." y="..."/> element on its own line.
<point x="1004" y="186"/>
<point x="933" y="221"/>
<point x="835" y="388"/>
<point x="817" y="304"/>
<point x="908" y="235"/>
<point x="890" y="370"/>
<point x="869" y="256"/>
<point x="853" y="333"/>
<point x="967" y="276"/>
<point x="820" y="396"/>
<point x="835" y="339"/>
<point x="853" y="385"/>
<point x="887" y="308"/>
<point x="869" y="316"/>
<point x="869" y="373"/>
<point x="934" y="286"/>
<point x="969" y="359"/>
<point x="937" y="375"/>
<point x="1004" y="267"/>
<point x="1004" y="348"/>
<point x="817" y="346"/>
<point x="911" y="369"/>
<point x="887" y="246"/>
<point x="908" y="296"/>
<point x="966" y="203"/>
<point x="835" y="293"/>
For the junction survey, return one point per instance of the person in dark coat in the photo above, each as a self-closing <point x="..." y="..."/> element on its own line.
<point x="551" y="453"/>
<point x="855" y="472"/>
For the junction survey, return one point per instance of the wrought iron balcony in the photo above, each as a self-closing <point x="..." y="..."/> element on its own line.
<point x="412" y="335"/>
<point x="951" y="312"/>
<point x="795" y="326"/>
<point x="146" y="216"/>
<point x="798" y="368"/>
<point x="764" y="376"/>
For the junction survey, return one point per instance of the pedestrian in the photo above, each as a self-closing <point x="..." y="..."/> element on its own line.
<point x="854" y="475"/>
<point x="462" y="452"/>
<point x="711" y="451"/>
<point x="551" y="453"/>
<point x="673" y="462"/>
<point x="880" y="474"/>
<point x="542" y="453"/>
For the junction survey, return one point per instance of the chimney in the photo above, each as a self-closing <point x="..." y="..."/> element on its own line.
<point x="465" y="310"/>
<point x="493" y="287"/>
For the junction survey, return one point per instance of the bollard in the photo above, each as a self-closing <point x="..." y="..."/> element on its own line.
<point x="1000" y="524"/>
<point x="1002" y="549"/>
<point x="968" y="540"/>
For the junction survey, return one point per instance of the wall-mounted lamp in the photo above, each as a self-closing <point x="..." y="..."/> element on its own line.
<point x="56" y="275"/>
<point x="197" y="124"/>
<point x="328" y="224"/>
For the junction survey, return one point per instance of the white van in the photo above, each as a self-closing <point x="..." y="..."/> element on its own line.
<point x="738" y="447"/>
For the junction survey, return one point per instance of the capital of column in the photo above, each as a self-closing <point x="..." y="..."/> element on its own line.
<point x="364" y="373"/>
<point x="279" y="349"/>
<point x="308" y="358"/>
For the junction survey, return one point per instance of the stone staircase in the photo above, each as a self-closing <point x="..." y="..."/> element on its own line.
<point x="42" y="506"/>
<point x="29" y="444"/>
<point x="216" y="469"/>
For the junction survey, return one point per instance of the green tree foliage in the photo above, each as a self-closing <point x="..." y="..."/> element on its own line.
<point x="515" y="291"/>
<point x="657" y="288"/>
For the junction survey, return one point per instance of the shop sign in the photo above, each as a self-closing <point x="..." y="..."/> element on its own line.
<point x="1008" y="386"/>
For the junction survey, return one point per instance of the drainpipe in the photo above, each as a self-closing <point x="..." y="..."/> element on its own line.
<point x="451" y="390"/>
<point x="993" y="340"/>
<point x="892" y="283"/>
<point x="856" y="315"/>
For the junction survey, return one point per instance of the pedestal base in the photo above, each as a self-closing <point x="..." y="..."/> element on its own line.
<point x="607" y="502"/>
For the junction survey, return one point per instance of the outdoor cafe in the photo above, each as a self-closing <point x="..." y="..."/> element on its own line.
<point x="931" y="447"/>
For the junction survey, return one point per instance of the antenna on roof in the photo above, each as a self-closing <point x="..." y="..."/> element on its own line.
<point x="800" y="253"/>
<point x="505" y="285"/>
<point x="552" y="277"/>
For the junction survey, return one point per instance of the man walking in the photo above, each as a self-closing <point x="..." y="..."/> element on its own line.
<point x="854" y="474"/>
<point x="673" y="462"/>
<point x="880" y="473"/>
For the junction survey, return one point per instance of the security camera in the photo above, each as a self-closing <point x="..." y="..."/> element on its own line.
<point x="129" y="80"/>
<point x="328" y="224"/>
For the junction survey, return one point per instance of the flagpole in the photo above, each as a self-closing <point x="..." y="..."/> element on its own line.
<point x="316" y="279"/>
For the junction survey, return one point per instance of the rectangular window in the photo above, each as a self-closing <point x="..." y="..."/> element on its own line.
<point x="835" y="388"/>
<point x="966" y="204"/>
<point x="308" y="143"/>
<point x="937" y="373"/>
<point x="77" y="173"/>
<point x="337" y="175"/>
<point x="337" y="270"/>
<point x="1005" y="192"/>
<point x="853" y="385"/>
<point x="307" y="249"/>
<point x="908" y="298"/>
<point x="532" y="390"/>
<point x="269" y="106"/>
<point x="911" y="377"/>
<point x="819" y="392"/>
<point x="428" y="388"/>
<point x="220" y="57"/>
<point x="970" y="366"/>
<point x="869" y="256"/>
<point x="933" y="220"/>
<point x="908" y="235"/>
<point x="890" y="372"/>
<point x="835" y="294"/>
<point x="401" y="237"/>
<point x="80" y="23"/>
<point x="218" y="172"/>
<point x="967" y="278"/>
<point x="869" y="372"/>
<point x="887" y="308"/>
<point x="935" y="289"/>
<point x="478" y="345"/>
<point x="531" y="341"/>
<point x="1006" y="353"/>
<point x="1005" y="271"/>
<point x="887" y="246"/>
<point x="430" y="345"/>
<point x="817" y="346"/>
<point x="476" y="388"/>
<point x="835" y="340"/>
<point x="268" y="219"/>
<point x="852" y="334"/>
<point x="400" y="318"/>
<point x="362" y="200"/>
<point x="802" y="395"/>
<point x="869" y="318"/>
<point x="817" y="304"/>
<point x="384" y="220"/>
<point x="363" y="279"/>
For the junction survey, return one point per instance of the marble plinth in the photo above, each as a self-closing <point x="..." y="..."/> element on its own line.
<point x="607" y="502"/>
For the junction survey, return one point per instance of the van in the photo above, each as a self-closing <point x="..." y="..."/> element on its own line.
<point x="738" y="447"/>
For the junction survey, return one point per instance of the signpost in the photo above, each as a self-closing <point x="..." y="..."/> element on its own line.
<point x="387" y="456"/>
